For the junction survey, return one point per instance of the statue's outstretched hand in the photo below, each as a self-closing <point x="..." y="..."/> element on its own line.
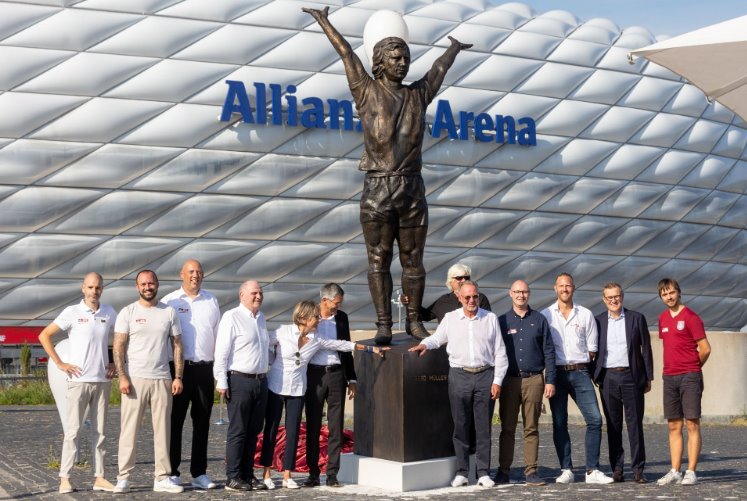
<point x="462" y="46"/>
<point x="318" y="14"/>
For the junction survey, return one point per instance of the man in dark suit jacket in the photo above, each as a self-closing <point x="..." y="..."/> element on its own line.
<point x="624" y="370"/>
<point x="329" y="374"/>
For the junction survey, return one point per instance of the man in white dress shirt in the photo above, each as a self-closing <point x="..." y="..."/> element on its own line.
<point x="199" y="314"/>
<point x="90" y="325"/>
<point x="478" y="363"/>
<point x="241" y="364"/>
<point x="574" y="334"/>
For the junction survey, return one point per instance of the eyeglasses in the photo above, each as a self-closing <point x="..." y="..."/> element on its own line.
<point x="612" y="298"/>
<point x="520" y="293"/>
<point x="471" y="298"/>
<point x="461" y="277"/>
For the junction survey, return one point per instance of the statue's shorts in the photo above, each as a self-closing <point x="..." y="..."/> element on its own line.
<point x="395" y="199"/>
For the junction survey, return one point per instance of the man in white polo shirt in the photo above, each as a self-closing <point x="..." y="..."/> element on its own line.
<point x="142" y="332"/>
<point x="90" y="324"/>
<point x="199" y="315"/>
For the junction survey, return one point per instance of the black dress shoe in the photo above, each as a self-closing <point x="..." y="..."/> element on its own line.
<point x="258" y="485"/>
<point x="333" y="482"/>
<point x="618" y="476"/>
<point x="236" y="484"/>
<point x="312" y="481"/>
<point x="640" y="478"/>
<point x="501" y="477"/>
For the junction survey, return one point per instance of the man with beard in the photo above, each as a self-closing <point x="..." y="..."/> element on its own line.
<point x="141" y="335"/>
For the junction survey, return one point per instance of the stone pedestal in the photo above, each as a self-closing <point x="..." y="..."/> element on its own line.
<point x="402" y="409"/>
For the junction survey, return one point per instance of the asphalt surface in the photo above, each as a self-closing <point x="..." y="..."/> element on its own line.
<point x="31" y="438"/>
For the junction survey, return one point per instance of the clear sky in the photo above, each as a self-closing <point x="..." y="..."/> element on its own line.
<point x="661" y="17"/>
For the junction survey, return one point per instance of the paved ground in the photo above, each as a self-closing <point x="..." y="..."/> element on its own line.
<point x="30" y="440"/>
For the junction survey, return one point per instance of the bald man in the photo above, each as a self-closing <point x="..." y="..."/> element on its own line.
<point x="199" y="314"/>
<point x="530" y="376"/>
<point x="90" y="326"/>
<point x="242" y="360"/>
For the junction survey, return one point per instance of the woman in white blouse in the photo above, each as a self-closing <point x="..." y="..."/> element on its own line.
<point x="286" y="381"/>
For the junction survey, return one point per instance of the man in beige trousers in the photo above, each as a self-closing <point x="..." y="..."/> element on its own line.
<point x="142" y="332"/>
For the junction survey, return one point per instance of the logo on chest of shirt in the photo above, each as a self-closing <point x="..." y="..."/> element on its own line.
<point x="100" y="320"/>
<point x="82" y="320"/>
<point x="141" y="321"/>
<point x="664" y="330"/>
<point x="512" y="331"/>
<point x="182" y="309"/>
<point x="680" y="325"/>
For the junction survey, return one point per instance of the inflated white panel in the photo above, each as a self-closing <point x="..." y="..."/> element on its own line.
<point x="33" y="207"/>
<point x="578" y="52"/>
<point x="577" y="157"/>
<point x="618" y="124"/>
<point x="671" y="167"/>
<point x="584" y="233"/>
<point x="25" y="112"/>
<point x="675" y="204"/>
<point x="87" y="74"/>
<point x="555" y="80"/>
<point x="735" y="216"/>
<point x="530" y="191"/>
<point x="156" y="37"/>
<point x="597" y="30"/>
<point x="171" y="80"/>
<point x="15" y="17"/>
<point x="502" y="17"/>
<point x="526" y="44"/>
<point x="583" y="113"/>
<point x="136" y="6"/>
<point x="72" y="29"/>
<point x="650" y="94"/>
<point x="214" y="10"/>
<point x="483" y="38"/>
<point x="286" y="54"/>
<point x="488" y="222"/>
<point x="340" y="179"/>
<point x="448" y="11"/>
<point x="473" y="187"/>
<point x="732" y="143"/>
<point x="342" y="217"/>
<point x="509" y="158"/>
<point x="688" y="101"/>
<point x="663" y="130"/>
<point x="702" y="137"/>
<point x="736" y="180"/>
<point x="529" y="231"/>
<point x="23" y="63"/>
<point x="272" y="174"/>
<point x="100" y="120"/>
<point x="709" y="173"/>
<point x="629" y="238"/>
<point x="500" y="73"/>
<point x="25" y="161"/>
<point x="673" y="240"/>
<point x="584" y="194"/>
<point x="428" y="31"/>
<point x="15" y="262"/>
<point x="626" y="162"/>
<point x="712" y="208"/>
<point x="216" y="93"/>
<point x="110" y="166"/>
<point x="631" y="200"/>
<point x="235" y="44"/>
<point x="605" y="87"/>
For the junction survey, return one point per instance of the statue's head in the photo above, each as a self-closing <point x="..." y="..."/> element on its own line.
<point x="391" y="58"/>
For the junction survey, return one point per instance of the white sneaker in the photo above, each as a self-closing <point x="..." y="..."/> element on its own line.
<point x="165" y="485"/>
<point x="122" y="487"/>
<point x="269" y="483"/>
<point x="597" y="477"/>
<point x="485" y="481"/>
<point x="290" y="484"/>
<point x="459" y="481"/>
<point x="672" y="477"/>
<point x="689" y="478"/>
<point x="175" y="479"/>
<point x="566" y="477"/>
<point x="203" y="482"/>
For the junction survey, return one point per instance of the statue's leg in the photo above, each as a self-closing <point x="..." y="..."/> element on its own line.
<point x="379" y="237"/>
<point x="411" y="247"/>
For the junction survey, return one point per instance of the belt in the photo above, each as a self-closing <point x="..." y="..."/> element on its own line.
<point x="572" y="367"/>
<point x="477" y="370"/>
<point x="524" y="374"/>
<point x="326" y="368"/>
<point x="199" y="362"/>
<point x="618" y="369"/>
<point x="250" y="376"/>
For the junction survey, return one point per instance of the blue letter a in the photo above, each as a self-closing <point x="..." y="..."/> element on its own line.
<point x="444" y="120"/>
<point x="236" y="91"/>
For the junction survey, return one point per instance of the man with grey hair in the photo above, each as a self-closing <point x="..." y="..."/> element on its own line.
<point x="328" y="375"/>
<point x="242" y="359"/>
<point x="477" y="365"/>
<point x="393" y="205"/>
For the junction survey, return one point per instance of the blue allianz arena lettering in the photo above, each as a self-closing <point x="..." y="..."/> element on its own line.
<point x="480" y="126"/>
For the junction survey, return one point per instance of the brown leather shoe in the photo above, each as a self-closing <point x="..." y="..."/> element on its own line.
<point x="640" y="478"/>
<point x="618" y="476"/>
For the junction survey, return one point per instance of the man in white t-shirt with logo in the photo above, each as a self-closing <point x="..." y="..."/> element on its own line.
<point x="142" y="332"/>
<point x="89" y="324"/>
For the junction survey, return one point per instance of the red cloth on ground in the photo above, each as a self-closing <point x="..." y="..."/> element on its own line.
<point x="301" y="466"/>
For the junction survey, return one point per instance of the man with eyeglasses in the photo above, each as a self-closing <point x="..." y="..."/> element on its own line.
<point x="457" y="274"/>
<point x="624" y="371"/>
<point x="478" y="364"/>
<point x="574" y="334"/>
<point x="329" y="374"/>
<point x="530" y="352"/>
<point x="242" y="359"/>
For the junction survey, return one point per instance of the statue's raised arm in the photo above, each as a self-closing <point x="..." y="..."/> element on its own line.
<point x="436" y="74"/>
<point x="354" y="69"/>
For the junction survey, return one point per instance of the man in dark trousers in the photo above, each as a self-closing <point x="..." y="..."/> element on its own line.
<point x="624" y="370"/>
<point x="328" y="375"/>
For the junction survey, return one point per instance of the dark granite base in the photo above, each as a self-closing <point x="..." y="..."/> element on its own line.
<point x="402" y="407"/>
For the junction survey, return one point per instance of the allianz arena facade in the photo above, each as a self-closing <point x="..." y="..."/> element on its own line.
<point x="113" y="158"/>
